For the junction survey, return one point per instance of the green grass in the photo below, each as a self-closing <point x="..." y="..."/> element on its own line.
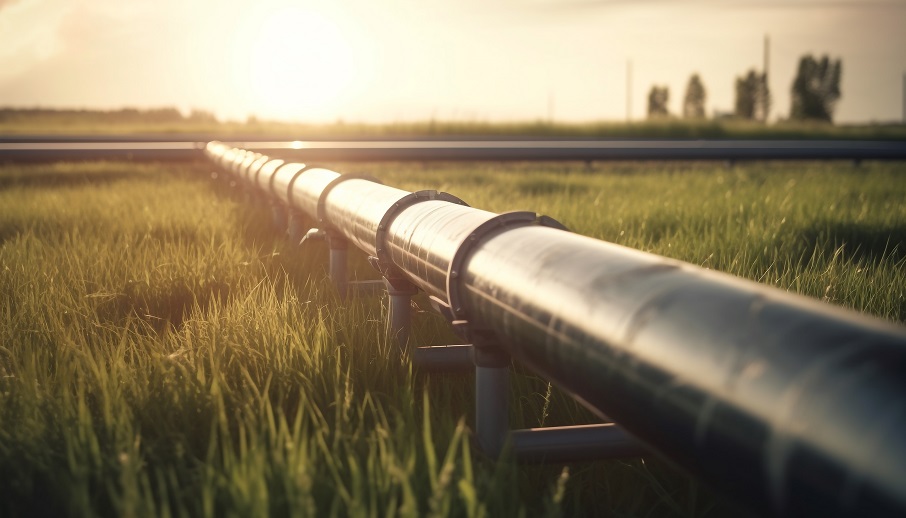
<point x="163" y="351"/>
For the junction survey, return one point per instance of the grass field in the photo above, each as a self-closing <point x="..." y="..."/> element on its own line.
<point x="163" y="351"/>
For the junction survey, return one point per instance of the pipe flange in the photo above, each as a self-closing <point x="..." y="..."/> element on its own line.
<point x="322" y="199"/>
<point x="254" y="181"/>
<point x="380" y="238"/>
<point x="481" y="232"/>
<point x="270" y="181"/>
<point x="289" y="186"/>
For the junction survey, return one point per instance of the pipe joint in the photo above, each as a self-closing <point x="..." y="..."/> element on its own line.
<point x="380" y="237"/>
<point x="486" y="348"/>
<point x="322" y="199"/>
<point x="481" y="233"/>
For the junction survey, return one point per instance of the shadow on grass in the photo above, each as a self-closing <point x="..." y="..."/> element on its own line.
<point x="161" y="309"/>
<point x="62" y="179"/>
<point x="871" y="243"/>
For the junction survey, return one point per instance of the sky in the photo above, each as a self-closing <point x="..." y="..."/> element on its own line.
<point x="461" y="60"/>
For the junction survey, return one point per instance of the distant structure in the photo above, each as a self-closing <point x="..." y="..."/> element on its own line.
<point x="767" y="87"/>
<point x="550" y="106"/>
<point x="629" y="91"/>
<point x="658" y="98"/>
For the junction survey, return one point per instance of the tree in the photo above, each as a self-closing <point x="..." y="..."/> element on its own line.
<point x="753" y="99"/>
<point x="657" y="102"/>
<point x="816" y="89"/>
<point x="694" y="103"/>
<point x="197" y="115"/>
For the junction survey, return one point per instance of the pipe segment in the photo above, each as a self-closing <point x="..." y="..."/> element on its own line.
<point x="282" y="179"/>
<point x="265" y="176"/>
<point x="793" y="406"/>
<point x="241" y="163"/>
<point x="360" y="204"/>
<point x="248" y="174"/>
<point x="790" y="405"/>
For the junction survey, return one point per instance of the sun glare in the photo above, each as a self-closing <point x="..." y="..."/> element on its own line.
<point x="299" y="65"/>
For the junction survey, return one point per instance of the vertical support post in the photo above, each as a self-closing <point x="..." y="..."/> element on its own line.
<point x="295" y="227"/>
<point x="400" y="292"/>
<point x="629" y="90"/>
<point x="767" y="65"/>
<point x="338" y="273"/>
<point x="491" y="408"/>
<point x="492" y="375"/>
<point x="279" y="215"/>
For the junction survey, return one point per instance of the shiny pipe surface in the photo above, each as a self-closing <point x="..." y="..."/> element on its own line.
<point x="791" y="405"/>
<point x="248" y="176"/>
<point x="356" y="207"/>
<point x="226" y="157"/>
<point x="424" y="238"/>
<point x="239" y="163"/>
<point x="237" y="160"/>
<point x="282" y="179"/>
<point x="217" y="153"/>
<point x="307" y="190"/>
<point x="249" y="160"/>
<point x="263" y="178"/>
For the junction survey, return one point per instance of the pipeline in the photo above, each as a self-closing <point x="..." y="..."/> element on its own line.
<point x="791" y="406"/>
<point x="108" y="147"/>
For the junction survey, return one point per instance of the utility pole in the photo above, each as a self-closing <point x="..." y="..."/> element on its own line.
<point x="904" y="98"/>
<point x="767" y="65"/>
<point x="629" y="90"/>
<point x="550" y="107"/>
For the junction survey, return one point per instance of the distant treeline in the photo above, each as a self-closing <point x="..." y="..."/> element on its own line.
<point x="120" y="116"/>
<point x="815" y="93"/>
<point x="171" y="121"/>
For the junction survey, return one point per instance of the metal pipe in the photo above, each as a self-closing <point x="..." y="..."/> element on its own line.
<point x="492" y="408"/>
<point x="338" y="263"/>
<point x="282" y="179"/>
<point x="279" y="216"/>
<point x="296" y="226"/>
<point x="400" y="294"/>
<point x="44" y="149"/>
<point x="439" y="229"/>
<point x="248" y="174"/>
<point x="307" y="189"/>
<point x="561" y="444"/>
<point x="444" y="358"/>
<point x="360" y="205"/>
<point x="265" y="174"/>
<point x="790" y="405"/>
<point x="249" y="160"/>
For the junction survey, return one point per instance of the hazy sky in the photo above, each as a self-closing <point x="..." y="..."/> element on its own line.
<point x="477" y="60"/>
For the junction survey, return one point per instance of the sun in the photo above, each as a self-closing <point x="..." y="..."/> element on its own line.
<point x="298" y="64"/>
